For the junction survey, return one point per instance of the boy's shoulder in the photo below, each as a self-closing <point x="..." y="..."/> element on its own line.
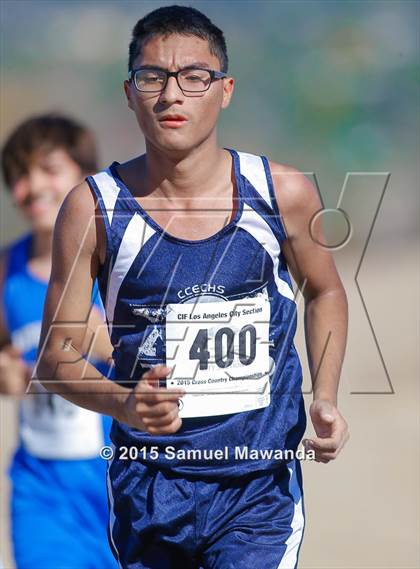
<point x="291" y="186"/>
<point x="80" y="201"/>
<point x="78" y="219"/>
<point x="276" y="168"/>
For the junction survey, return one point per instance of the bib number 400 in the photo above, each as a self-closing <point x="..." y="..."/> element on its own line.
<point x="224" y="346"/>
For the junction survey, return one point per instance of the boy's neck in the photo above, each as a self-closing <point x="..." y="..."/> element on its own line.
<point x="42" y="245"/>
<point x="186" y="176"/>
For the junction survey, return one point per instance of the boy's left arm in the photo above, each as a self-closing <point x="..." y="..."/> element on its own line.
<point x="326" y="312"/>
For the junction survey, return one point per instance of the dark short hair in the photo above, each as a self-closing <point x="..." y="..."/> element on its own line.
<point x="43" y="134"/>
<point x="182" y="20"/>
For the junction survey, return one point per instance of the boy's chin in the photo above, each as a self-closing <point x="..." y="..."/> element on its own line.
<point x="42" y="223"/>
<point x="176" y="147"/>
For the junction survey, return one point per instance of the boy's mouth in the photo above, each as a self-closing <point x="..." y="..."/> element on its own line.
<point x="173" y="120"/>
<point x="38" y="204"/>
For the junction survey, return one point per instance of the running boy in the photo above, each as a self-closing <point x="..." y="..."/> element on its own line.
<point x="57" y="474"/>
<point x="190" y="247"/>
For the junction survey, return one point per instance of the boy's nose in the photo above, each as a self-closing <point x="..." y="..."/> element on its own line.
<point x="37" y="181"/>
<point x="172" y="92"/>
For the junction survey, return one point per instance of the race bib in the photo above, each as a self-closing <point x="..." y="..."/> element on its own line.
<point x="220" y="355"/>
<point x="54" y="428"/>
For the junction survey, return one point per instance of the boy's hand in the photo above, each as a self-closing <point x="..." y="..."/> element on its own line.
<point x="331" y="429"/>
<point x="14" y="373"/>
<point x="152" y="408"/>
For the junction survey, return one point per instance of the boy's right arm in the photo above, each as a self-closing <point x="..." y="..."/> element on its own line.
<point x="61" y="367"/>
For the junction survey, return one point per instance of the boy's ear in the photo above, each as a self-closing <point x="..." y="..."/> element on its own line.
<point x="228" y="88"/>
<point x="127" y="91"/>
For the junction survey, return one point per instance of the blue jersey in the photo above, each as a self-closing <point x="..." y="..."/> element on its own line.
<point x="50" y="426"/>
<point x="220" y="311"/>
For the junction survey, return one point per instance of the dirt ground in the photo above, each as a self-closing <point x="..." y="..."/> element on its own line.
<point x="362" y="511"/>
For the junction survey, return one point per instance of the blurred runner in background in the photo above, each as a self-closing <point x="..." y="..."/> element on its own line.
<point x="57" y="475"/>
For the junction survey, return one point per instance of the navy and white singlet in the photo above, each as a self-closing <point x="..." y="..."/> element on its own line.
<point x="221" y="306"/>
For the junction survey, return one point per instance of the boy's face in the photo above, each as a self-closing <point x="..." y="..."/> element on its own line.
<point x="201" y="110"/>
<point x="40" y="193"/>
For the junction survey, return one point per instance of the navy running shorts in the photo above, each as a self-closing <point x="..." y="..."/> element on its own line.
<point x="159" y="520"/>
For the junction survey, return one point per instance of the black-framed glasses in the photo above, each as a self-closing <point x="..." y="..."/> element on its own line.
<point x="190" y="80"/>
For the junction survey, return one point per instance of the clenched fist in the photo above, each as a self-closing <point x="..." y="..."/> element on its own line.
<point x="152" y="408"/>
<point x="331" y="429"/>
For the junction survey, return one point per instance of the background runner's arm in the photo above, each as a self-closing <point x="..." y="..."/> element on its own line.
<point x="313" y="268"/>
<point x="66" y="333"/>
<point x="4" y="332"/>
<point x="14" y="373"/>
